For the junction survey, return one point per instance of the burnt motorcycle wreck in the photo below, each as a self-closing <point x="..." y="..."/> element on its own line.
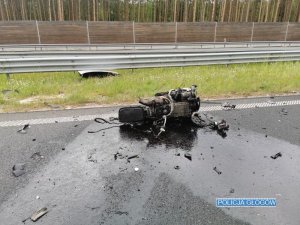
<point x="176" y="104"/>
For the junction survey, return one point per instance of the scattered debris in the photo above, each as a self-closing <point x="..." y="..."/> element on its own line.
<point x="228" y="106"/>
<point x="33" y="139"/>
<point x="177" y="154"/>
<point x="121" y="213"/>
<point x="206" y="120"/>
<point x="188" y="156"/>
<point x="24" y="129"/>
<point x="132" y="157"/>
<point x="276" y="155"/>
<point x="37" y="156"/>
<point x="217" y="170"/>
<point x="18" y="169"/>
<point x="91" y="158"/>
<point x="284" y="111"/>
<point x="118" y="156"/>
<point x="38" y="214"/>
<point x="104" y="121"/>
<point x="136" y="169"/>
<point x="231" y="190"/>
<point x="176" y="167"/>
<point x="63" y="149"/>
<point x="37" y="197"/>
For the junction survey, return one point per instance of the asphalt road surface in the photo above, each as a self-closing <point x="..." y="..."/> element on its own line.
<point x="76" y="175"/>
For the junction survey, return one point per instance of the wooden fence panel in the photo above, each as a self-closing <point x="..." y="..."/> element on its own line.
<point x="234" y="32"/>
<point x="154" y="32"/>
<point x="63" y="32"/>
<point x="293" y="33"/>
<point x="195" y="32"/>
<point x="18" y="32"/>
<point x="28" y="32"/>
<point x="111" y="32"/>
<point x="269" y="31"/>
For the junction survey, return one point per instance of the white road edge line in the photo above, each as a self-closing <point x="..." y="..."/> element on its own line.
<point x="13" y="123"/>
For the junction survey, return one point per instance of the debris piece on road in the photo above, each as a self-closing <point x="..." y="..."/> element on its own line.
<point x="228" y="106"/>
<point x="188" y="156"/>
<point x="24" y="129"/>
<point x="33" y="139"/>
<point x="37" y="197"/>
<point x="276" y="155"/>
<point x="206" y="120"/>
<point x="38" y="214"/>
<point x="63" y="149"/>
<point x="176" y="167"/>
<point x="121" y="213"/>
<point x="36" y="156"/>
<point x="271" y="102"/>
<point x="18" y="169"/>
<point x="136" y="169"/>
<point x="284" y="111"/>
<point x="132" y="157"/>
<point x="118" y="156"/>
<point x="231" y="190"/>
<point x="104" y="121"/>
<point x="217" y="170"/>
<point x="91" y="158"/>
<point x="177" y="154"/>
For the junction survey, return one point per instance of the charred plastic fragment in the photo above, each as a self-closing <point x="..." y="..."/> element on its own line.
<point x="276" y="155"/>
<point x="188" y="156"/>
<point x="18" y="169"/>
<point x="217" y="170"/>
<point x="23" y="130"/>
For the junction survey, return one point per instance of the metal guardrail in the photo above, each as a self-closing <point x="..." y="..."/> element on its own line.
<point x="79" y="62"/>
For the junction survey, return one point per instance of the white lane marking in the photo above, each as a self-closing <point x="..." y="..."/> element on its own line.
<point x="13" y="123"/>
<point x="252" y="105"/>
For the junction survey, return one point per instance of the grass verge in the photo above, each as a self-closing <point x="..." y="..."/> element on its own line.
<point x="41" y="90"/>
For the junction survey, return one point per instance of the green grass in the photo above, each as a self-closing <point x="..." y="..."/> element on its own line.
<point x="213" y="81"/>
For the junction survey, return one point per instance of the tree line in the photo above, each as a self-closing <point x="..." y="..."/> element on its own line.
<point x="152" y="10"/>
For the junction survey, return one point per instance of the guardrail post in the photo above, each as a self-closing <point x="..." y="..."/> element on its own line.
<point x="287" y="30"/>
<point x="88" y="32"/>
<point x="215" y="37"/>
<point x="176" y="32"/>
<point x="252" y="31"/>
<point x="38" y="31"/>
<point x="133" y="33"/>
